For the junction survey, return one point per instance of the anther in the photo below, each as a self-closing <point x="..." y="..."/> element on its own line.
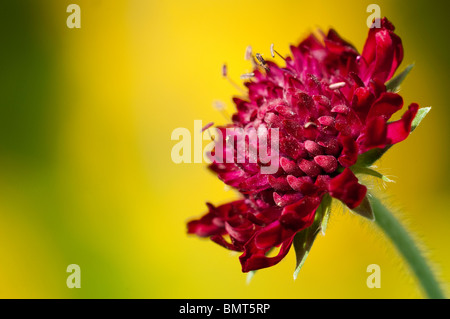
<point x="220" y="106"/>
<point x="225" y="75"/>
<point x="224" y="70"/>
<point x="308" y="124"/>
<point x="336" y="85"/>
<point x="247" y="76"/>
<point x="248" y="53"/>
<point x="207" y="126"/>
<point x="260" y="59"/>
<point x="273" y="52"/>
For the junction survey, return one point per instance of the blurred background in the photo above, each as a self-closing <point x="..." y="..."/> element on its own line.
<point x="86" y="176"/>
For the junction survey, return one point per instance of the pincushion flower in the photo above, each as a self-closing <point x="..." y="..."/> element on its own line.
<point x="331" y="107"/>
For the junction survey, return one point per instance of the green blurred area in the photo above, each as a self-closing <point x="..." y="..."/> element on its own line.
<point x="85" y="170"/>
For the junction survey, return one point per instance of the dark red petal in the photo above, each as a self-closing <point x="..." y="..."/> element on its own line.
<point x="309" y="168"/>
<point x="313" y="148"/>
<point x="239" y="229"/>
<point x="327" y="162"/>
<point x="350" y="149"/>
<point x="349" y="124"/>
<point x="291" y="147"/>
<point x="203" y="227"/>
<point x="218" y="239"/>
<point x="303" y="184"/>
<point x="294" y="218"/>
<point x="300" y="214"/>
<point x="287" y="199"/>
<point x="346" y="188"/>
<point x="255" y="183"/>
<point x="386" y="105"/>
<point x="362" y="101"/>
<point x="279" y="183"/>
<point x="337" y="45"/>
<point x="271" y="235"/>
<point x="330" y="144"/>
<point x="399" y="130"/>
<point x="375" y="134"/>
<point x="213" y="223"/>
<point x="382" y="53"/>
<point x="290" y="167"/>
<point x="322" y="184"/>
<point x="254" y="258"/>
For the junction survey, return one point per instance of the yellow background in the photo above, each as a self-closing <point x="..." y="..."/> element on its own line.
<point x="86" y="175"/>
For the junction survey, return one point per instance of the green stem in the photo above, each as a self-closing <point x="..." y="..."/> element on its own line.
<point x="407" y="248"/>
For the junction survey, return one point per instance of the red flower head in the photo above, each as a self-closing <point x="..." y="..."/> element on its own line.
<point x="330" y="106"/>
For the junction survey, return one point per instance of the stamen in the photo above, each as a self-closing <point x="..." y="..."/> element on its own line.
<point x="308" y="124"/>
<point x="207" y="126"/>
<point x="248" y="53"/>
<point x="273" y="51"/>
<point x="336" y="85"/>
<point x="220" y="106"/>
<point x="262" y="62"/>
<point x="224" y="70"/>
<point x="260" y="59"/>
<point x="247" y="76"/>
<point x="225" y="75"/>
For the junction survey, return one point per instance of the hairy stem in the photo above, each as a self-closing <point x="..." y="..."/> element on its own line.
<point x="407" y="248"/>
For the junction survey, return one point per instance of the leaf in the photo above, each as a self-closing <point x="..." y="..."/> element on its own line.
<point x="303" y="242"/>
<point x="297" y="270"/>
<point x="370" y="157"/>
<point x="300" y="250"/>
<point x="394" y="84"/>
<point x="326" y="202"/>
<point x="250" y="275"/>
<point x="421" y="113"/>
<point x="304" y="239"/>
<point x="369" y="171"/>
<point x="325" y="219"/>
<point x="364" y="209"/>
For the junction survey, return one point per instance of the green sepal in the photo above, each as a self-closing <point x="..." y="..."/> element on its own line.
<point x="250" y="275"/>
<point x="421" y="113"/>
<point x="394" y="84"/>
<point x="304" y="239"/>
<point x="369" y="171"/>
<point x="370" y="157"/>
<point x="364" y="209"/>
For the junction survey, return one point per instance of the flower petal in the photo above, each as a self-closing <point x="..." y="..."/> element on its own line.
<point x="386" y="105"/>
<point x="382" y="53"/>
<point x="374" y="134"/>
<point x="349" y="154"/>
<point x="294" y="218"/>
<point x="300" y="215"/>
<point x="255" y="258"/>
<point x="346" y="188"/>
<point x="207" y="225"/>
<point x="399" y="130"/>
